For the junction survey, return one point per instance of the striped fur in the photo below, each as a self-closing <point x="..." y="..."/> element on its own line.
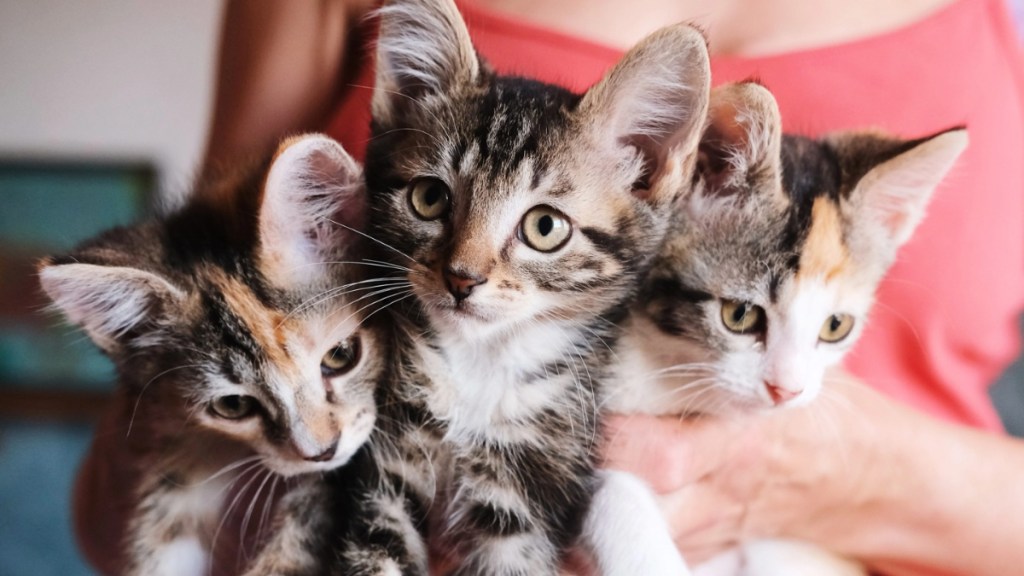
<point x="516" y="340"/>
<point x="238" y="299"/>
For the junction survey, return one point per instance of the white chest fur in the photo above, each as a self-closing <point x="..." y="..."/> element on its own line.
<point x="489" y="387"/>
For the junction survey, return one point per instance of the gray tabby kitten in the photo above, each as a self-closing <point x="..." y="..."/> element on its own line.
<point x="525" y="216"/>
<point x="244" y="353"/>
<point x="769" y="273"/>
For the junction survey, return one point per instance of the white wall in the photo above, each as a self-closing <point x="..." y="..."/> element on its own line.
<point x="108" y="79"/>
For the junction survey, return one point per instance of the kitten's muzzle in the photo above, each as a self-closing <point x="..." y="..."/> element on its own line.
<point x="780" y="395"/>
<point x="323" y="456"/>
<point x="461" y="285"/>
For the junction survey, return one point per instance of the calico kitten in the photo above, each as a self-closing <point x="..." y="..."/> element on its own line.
<point x="525" y="216"/>
<point x="770" y="270"/>
<point x="769" y="273"/>
<point x="244" y="353"/>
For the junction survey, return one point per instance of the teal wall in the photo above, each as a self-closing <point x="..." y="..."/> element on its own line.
<point x="47" y="208"/>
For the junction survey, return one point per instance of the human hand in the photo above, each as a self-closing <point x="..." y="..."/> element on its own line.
<point x="815" y="473"/>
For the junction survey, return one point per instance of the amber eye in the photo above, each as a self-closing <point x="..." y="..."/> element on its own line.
<point x="429" y="198"/>
<point x="234" y="406"/>
<point x="341" y="358"/>
<point x="742" y="317"/>
<point x="545" y="229"/>
<point x="836" y="328"/>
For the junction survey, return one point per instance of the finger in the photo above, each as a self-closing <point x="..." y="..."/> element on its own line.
<point x="703" y="521"/>
<point x="667" y="452"/>
<point x="655" y="449"/>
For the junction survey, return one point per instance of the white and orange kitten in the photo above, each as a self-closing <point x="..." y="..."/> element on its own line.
<point x="768" y="277"/>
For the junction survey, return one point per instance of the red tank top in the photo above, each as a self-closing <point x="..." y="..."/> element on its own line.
<point x="945" y="322"/>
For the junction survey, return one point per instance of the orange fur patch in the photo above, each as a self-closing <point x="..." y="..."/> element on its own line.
<point x="270" y="328"/>
<point x="264" y="324"/>
<point x="824" y="254"/>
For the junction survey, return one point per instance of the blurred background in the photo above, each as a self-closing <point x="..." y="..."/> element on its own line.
<point x="103" y="110"/>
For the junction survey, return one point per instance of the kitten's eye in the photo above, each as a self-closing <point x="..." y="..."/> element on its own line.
<point x="545" y="229"/>
<point x="429" y="198"/>
<point x="234" y="406"/>
<point x="340" y="359"/>
<point x="742" y="317"/>
<point x="836" y="328"/>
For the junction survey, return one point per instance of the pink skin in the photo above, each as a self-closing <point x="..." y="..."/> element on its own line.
<point x="838" y="473"/>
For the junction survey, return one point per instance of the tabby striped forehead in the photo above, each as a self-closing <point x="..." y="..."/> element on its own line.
<point x="266" y="341"/>
<point x="244" y="322"/>
<point x="512" y="122"/>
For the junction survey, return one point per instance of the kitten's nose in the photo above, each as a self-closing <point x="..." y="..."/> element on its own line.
<point x="780" y="395"/>
<point x="326" y="455"/>
<point x="461" y="284"/>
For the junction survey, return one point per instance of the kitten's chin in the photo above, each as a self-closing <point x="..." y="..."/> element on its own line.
<point x="463" y="316"/>
<point x="287" y="464"/>
<point x="289" y="467"/>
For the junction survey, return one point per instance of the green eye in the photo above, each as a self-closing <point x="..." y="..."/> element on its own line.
<point x="836" y="328"/>
<point x="340" y="359"/>
<point x="742" y="317"/>
<point x="545" y="229"/>
<point x="234" y="406"/>
<point x="429" y="198"/>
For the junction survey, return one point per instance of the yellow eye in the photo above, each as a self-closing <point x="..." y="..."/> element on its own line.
<point x="545" y="229"/>
<point x="836" y="328"/>
<point x="234" y="406"/>
<point x="340" y="359"/>
<point x="742" y="317"/>
<point x="429" y="198"/>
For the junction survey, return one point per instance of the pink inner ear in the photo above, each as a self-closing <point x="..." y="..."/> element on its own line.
<point x="724" y="138"/>
<point x="642" y="193"/>
<point x="313" y="199"/>
<point x="895" y="222"/>
<point x="724" y="129"/>
<point x="351" y="213"/>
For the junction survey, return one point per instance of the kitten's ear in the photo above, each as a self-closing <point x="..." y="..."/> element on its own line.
<point x="423" y="48"/>
<point x="108" y="302"/>
<point x="313" y="209"/>
<point x="898" y="179"/>
<point x="655" y="99"/>
<point x="740" y="149"/>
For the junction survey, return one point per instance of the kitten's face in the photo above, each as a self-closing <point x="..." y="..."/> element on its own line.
<point x="237" y="317"/>
<point x="512" y="212"/>
<point x="764" y="319"/>
<point x="514" y="200"/>
<point x="293" y="381"/>
<point x="770" y="273"/>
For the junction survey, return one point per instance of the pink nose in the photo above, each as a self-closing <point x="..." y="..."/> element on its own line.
<point x="323" y="455"/>
<point x="780" y="395"/>
<point x="461" y="285"/>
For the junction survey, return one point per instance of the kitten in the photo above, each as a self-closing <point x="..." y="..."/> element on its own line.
<point x="242" y="346"/>
<point x="770" y="270"/>
<point x="525" y="216"/>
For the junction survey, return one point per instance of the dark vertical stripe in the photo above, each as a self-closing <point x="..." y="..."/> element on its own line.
<point x="608" y="243"/>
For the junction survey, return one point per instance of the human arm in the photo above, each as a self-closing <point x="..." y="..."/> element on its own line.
<point x="855" y="473"/>
<point x="279" y="71"/>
